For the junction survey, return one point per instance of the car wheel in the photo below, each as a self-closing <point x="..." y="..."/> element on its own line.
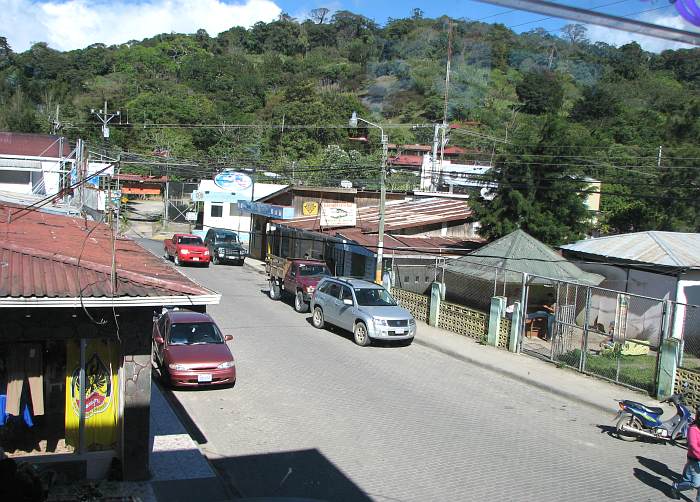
<point x="299" y="304"/>
<point x="215" y="259"/>
<point x="177" y="261"/>
<point x="241" y="262"/>
<point x="206" y="265"/>
<point x="406" y="343"/>
<point x="275" y="293"/>
<point x="317" y="319"/>
<point x="361" y="335"/>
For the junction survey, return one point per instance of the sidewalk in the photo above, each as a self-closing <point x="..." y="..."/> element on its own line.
<point x="180" y="472"/>
<point x="563" y="382"/>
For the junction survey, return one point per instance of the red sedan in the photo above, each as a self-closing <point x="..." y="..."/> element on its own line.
<point x="186" y="248"/>
<point x="190" y="350"/>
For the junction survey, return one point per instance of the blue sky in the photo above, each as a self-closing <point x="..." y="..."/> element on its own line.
<point x="72" y="24"/>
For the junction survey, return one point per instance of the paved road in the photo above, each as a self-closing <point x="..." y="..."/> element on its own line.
<point x="314" y="415"/>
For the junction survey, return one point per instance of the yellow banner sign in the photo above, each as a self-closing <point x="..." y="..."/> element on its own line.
<point x="310" y="208"/>
<point x="101" y="394"/>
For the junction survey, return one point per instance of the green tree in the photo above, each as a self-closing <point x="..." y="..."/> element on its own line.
<point x="541" y="92"/>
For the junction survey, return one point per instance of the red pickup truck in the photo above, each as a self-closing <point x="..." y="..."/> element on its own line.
<point x="295" y="277"/>
<point x="186" y="248"/>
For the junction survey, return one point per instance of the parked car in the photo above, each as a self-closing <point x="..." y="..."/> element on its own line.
<point x="186" y="248"/>
<point x="190" y="350"/>
<point x="364" y="308"/>
<point x="224" y="246"/>
<point x="291" y="276"/>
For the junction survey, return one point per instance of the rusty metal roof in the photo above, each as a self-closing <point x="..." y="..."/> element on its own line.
<point x="40" y="259"/>
<point x="670" y="249"/>
<point x="140" y="178"/>
<point x="398" y="215"/>
<point x="412" y="245"/>
<point x="32" y="145"/>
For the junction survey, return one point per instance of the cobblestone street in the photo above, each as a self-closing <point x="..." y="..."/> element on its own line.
<point x="313" y="415"/>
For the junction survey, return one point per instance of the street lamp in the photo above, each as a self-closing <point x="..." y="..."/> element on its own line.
<point x="354" y="119"/>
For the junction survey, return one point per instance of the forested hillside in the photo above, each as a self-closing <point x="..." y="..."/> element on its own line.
<point x="549" y="110"/>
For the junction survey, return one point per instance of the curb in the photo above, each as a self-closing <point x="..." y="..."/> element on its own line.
<point x="514" y="376"/>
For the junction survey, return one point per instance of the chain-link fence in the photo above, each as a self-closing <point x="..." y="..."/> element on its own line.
<point x="607" y="333"/>
<point x="688" y="318"/>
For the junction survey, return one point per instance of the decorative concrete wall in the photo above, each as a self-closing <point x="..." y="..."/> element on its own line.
<point x="692" y="391"/>
<point x="416" y="304"/>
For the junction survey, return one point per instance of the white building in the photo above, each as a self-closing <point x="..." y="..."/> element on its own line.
<point x="218" y="202"/>
<point x="33" y="163"/>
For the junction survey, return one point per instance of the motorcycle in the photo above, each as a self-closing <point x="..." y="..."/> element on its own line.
<point x="636" y="420"/>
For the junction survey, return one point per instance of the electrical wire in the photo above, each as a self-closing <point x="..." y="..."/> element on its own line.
<point x="102" y="322"/>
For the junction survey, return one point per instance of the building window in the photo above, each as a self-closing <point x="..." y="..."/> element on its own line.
<point x="233" y="209"/>
<point x="217" y="210"/>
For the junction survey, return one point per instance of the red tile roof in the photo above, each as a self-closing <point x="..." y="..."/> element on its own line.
<point x="32" y="145"/>
<point x="398" y="215"/>
<point x="39" y="255"/>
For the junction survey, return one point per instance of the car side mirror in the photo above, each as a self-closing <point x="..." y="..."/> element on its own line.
<point x="158" y="339"/>
<point x="228" y="338"/>
<point x="347" y="301"/>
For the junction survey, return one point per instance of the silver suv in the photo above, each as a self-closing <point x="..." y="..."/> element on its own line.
<point x="364" y="308"/>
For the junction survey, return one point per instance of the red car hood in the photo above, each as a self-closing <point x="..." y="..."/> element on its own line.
<point x="206" y="355"/>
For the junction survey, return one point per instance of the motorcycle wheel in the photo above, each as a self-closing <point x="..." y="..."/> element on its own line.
<point x="630" y="421"/>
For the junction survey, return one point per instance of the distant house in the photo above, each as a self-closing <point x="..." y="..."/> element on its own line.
<point x="656" y="264"/>
<point x="33" y="163"/>
<point x="417" y="232"/>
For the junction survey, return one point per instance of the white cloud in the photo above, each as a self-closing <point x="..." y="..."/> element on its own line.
<point x="75" y="24"/>
<point x="652" y="44"/>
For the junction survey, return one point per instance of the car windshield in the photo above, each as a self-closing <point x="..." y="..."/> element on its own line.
<point x="227" y="237"/>
<point x="374" y="297"/>
<point x="307" y="270"/>
<point x="189" y="240"/>
<point x="194" y="333"/>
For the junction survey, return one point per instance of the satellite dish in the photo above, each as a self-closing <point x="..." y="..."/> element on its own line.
<point x="487" y="194"/>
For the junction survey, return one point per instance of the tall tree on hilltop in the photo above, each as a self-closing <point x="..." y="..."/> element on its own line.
<point x="537" y="190"/>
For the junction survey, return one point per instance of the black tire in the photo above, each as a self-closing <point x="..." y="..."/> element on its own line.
<point x="275" y="293"/>
<point x="317" y="318"/>
<point x="630" y="421"/>
<point x="361" y="335"/>
<point x="406" y="343"/>
<point x="215" y="258"/>
<point x="299" y="304"/>
<point x="241" y="262"/>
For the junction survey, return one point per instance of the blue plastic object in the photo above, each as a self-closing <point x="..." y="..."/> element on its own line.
<point x="26" y="414"/>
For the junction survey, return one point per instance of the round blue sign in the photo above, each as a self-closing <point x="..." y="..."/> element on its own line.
<point x="230" y="180"/>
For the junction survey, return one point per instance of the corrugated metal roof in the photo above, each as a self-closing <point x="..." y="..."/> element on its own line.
<point x="398" y="215"/>
<point x="32" y="145"/>
<point x="673" y="249"/>
<point x="39" y="255"/>
<point x="403" y="245"/>
<point x="519" y="252"/>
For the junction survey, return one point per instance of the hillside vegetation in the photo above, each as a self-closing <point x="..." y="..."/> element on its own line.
<point x="569" y="109"/>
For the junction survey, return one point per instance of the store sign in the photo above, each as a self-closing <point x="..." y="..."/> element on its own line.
<point x="268" y="210"/>
<point x="231" y="180"/>
<point x="309" y="208"/>
<point x="338" y="214"/>
<point x="191" y="216"/>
